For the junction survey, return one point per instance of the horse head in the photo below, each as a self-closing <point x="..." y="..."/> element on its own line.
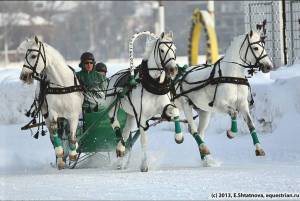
<point x="35" y="60"/>
<point x="164" y="56"/>
<point x="255" y="53"/>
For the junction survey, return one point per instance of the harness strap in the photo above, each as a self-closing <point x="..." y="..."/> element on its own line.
<point x="232" y="80"/>
<point x="65" y="90"/>
<point x="150" y="84"/>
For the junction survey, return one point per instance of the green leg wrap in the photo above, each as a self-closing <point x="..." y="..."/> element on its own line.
<point x="234" y="125"/>
<point x="72" y="146"/>
<point x="57" y="141"/>
<point x="198" y="139"/>
<point x="177" y="125"/>
<point x="254" y="137"/>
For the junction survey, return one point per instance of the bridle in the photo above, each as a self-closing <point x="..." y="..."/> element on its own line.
<point x="42" y="77"/>
<point x="163" y="60"/>
<point x="252" y="67"/>
<point x="41" y="53"/>
<point x="35" y="110"/>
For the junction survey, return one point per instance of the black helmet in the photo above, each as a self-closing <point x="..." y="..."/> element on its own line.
<point x="101" y="67"/>
<point x="86" y="56"/>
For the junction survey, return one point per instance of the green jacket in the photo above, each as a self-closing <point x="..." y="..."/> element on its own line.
<point x="94" y="84"/>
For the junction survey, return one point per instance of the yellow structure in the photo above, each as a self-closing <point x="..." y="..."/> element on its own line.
<point x="203" y="20"/>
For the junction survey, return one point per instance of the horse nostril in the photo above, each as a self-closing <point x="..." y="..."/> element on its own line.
<point x="269" y="67"/>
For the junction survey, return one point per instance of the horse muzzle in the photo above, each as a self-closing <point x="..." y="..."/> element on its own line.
<point x="172" y="72"/>
<point x="265" y="68"/>
<point x="26" y="77"/>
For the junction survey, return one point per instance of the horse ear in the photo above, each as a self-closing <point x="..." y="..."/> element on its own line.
<point x="251" y="33"/>
<point x="171" y="34"/>
<point x="162" y="34"/>
<point x="36" y="39"/>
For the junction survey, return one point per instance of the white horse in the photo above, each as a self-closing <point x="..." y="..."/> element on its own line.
<point x="60" y="95"/>
<point x="149" y="97"/>
<point x="223" y="87"/>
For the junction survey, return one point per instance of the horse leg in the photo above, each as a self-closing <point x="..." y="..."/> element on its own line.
<point x="57" y="145"/>
<point x="120" y="150"/>
<point x="114" y="122"/>
<point x="73" y="144"/>
<point x="188" y="112"/>
<point x="187" y="108"/>
<point x="246" y="114"/>
<point x="173" y="112"/>
<point x="204" y="118"/>
<point x="144" y="141"/>
<point x="233" y="130"/>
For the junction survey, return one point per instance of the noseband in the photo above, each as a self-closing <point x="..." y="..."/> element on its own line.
<point x="256" y="65"/>
<point x="41" y="53"/>
<point x="157" y="52"/>
<point x="252" y="67"/>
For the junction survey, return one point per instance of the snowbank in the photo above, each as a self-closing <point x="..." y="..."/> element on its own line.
<point x="175" y="171"/>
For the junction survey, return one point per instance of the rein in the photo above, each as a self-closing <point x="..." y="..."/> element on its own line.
<point x="42" y="77"/>
<point x="252" y="67"/>
<point x="211" y="80"/>
<point x="45" y="89"/>
<point x="223" y="79"/>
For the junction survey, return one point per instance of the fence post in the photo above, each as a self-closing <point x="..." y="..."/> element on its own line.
<point x="284" y="31"/>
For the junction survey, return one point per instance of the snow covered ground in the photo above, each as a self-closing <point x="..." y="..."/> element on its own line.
<point x="175" y="171"/>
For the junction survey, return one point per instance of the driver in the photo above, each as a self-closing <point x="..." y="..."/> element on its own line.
<point x="93" y="82"/>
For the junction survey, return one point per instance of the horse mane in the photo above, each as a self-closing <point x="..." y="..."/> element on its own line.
<point x="58" y="55"/>
<point x="150" y="42"/>
<point x="29" y="43"/>
<point x="241" y="37"/>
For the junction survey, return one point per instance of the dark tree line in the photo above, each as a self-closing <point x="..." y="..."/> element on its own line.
<point x="102" y="27"/>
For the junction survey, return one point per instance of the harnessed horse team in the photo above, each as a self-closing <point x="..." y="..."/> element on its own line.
<point x="158" y="86"/>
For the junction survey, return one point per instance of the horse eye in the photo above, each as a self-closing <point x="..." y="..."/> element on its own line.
<point x="162" y="51"/>
<point x="33" y="56"/>
<point x="255" y="48"/>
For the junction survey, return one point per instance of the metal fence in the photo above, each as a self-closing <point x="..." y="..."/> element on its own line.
<point x="282" y="32"/>
<point x="293" y="31"/>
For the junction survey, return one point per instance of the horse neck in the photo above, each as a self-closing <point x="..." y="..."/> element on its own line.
<point x="57" y="70"/>
<point x="233" y="55"/>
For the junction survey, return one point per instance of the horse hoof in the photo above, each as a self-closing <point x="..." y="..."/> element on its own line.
<point x="73" y="157"/>
<point x="60" y="164"/>
<point x="260" y="152"/>
<point x="120" y="153"/>
<point x="179" y="141"/>
<point x="204" y="151"/>
<point x="230" y="134"/>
